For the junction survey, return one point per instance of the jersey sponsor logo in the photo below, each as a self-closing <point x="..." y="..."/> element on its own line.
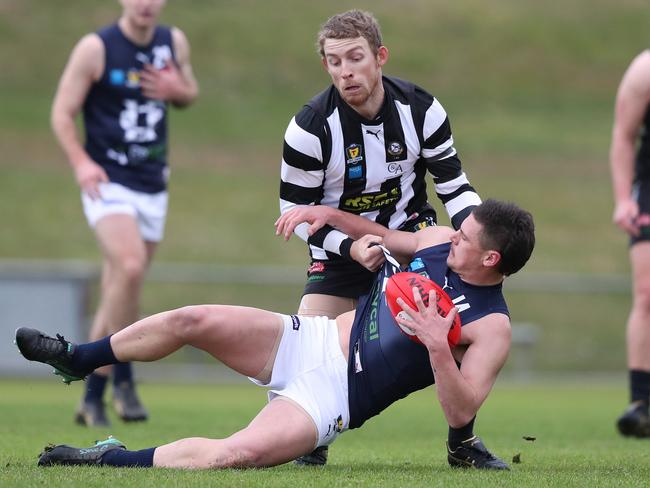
<point x="373" y="133"/>
<point x="416" y="264"/>
<point x="133" y="79"/>
<point x="447" y="286"/>
<point x="395" y="148"/>
<point x="373" y="326"/>
<point x="318" y="267"/>
<point x="427" y="222"/>
<point x="335" y="426"/>
<point x="353" y="154"/>
<point x="116" y="77"/>
<point x="367" y="202"/>
<point x="355" y="172"/>
<point x="296" y="322"/>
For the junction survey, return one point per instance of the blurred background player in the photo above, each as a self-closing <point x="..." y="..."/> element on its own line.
<point x="631" y="183"/>
<point x="364" y="145"/>
<point x="123" y="78"/>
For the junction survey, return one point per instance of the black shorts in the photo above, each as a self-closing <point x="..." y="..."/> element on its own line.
<point x="641" y="193"/>
<point x="342" y="278"/>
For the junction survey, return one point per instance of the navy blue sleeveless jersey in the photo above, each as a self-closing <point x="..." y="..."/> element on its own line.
<point x="384" y="364"/>
<point x="126" y="133"/>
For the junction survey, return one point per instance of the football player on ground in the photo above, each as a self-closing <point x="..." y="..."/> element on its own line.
<point x="327" y="376"/>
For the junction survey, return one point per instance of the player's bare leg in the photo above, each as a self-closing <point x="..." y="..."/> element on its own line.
<point x="126" y="259"/>
<point x="316" y="305"/>
<point x="242" y="338"/>
<point x="636" y="421"/>
<point x="279" y="433"/>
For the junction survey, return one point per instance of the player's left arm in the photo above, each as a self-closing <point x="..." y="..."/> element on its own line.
<point x="486" y="341"/>
<point x="176" y="83"/>
<point x="318" y="216"/>
<point x="441" y="159"/>
<point x="462" y="392"/>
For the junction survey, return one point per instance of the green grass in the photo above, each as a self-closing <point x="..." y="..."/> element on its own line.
<point x="573" y="423"/>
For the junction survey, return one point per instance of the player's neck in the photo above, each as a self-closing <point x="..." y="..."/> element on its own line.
<point x="140" y="36"/>
<point x="480" y="278"/>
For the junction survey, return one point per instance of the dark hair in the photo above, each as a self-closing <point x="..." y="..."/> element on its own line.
<point x="507" y="229"/>
<point x="350" y="25"/>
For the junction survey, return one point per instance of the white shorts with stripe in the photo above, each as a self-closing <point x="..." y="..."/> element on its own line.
<point x="310" y="369"/>
<point x="148" y="209"/>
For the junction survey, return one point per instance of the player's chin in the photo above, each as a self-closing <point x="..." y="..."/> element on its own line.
<point x="355" y="99"/>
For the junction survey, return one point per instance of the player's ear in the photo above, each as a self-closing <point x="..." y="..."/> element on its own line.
<point x="491" y="258"/>
<point x="382" y="55"/>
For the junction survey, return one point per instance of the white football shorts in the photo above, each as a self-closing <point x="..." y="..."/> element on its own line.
<point x="149" y="209"/>
<point x="310" y="369"/>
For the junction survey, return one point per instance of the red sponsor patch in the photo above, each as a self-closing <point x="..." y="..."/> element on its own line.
<point x="317" y="267"/>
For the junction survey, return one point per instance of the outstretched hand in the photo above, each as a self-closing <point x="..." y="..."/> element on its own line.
<point x="315" y="215"/>
<point x="427" y="324"/>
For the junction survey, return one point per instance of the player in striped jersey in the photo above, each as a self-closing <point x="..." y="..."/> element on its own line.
<point x="364" y="146"/>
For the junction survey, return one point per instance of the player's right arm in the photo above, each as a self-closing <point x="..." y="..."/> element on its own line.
<point x="632" y="101"/>
<point x="84" y="67"/>
<point x="307" y="148"/>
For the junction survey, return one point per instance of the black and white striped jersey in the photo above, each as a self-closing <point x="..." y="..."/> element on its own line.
<point x="374" y="168"/>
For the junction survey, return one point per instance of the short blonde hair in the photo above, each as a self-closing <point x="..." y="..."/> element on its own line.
<point x="350" y="25"/>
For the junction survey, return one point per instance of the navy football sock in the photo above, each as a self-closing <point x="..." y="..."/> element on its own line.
<point x="129" y="459"/>
<point x="640" y="386"/>
<point x="456" y="436"/>
<point x="95" y="385"/>
<point x="90" y="356"/>
<point x="122" y="372"/>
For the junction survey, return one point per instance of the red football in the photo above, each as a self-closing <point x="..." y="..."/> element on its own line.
<point x="401" y="285"/>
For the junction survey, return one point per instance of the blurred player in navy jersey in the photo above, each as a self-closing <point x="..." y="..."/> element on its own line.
<point x="631" y="181"/>
<point x="122" y="78"/>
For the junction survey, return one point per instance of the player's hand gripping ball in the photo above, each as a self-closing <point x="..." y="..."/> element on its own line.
<point x="401" y="285"/>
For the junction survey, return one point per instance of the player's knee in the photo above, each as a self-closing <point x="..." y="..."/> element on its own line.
<point x="642" y="294"/>
<point x="244" y="457"/>
<point x="132" y="269"/>
<point x="189" y="322"/>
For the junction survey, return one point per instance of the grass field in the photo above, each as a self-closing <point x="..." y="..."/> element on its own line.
<point x="529" y="87"/>
<point x="573" y="423"/>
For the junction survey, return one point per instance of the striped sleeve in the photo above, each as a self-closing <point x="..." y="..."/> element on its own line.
<point x="306" y="148"/>
<point x="303" y="170"/>
<point x="452" y="186"/>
